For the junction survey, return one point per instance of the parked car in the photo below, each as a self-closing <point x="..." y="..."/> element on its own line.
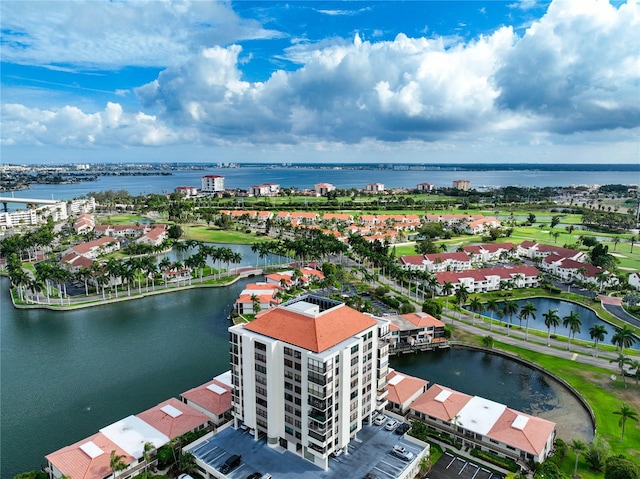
<point x="380" y="420"/>
<point x="255" y="475"/>
<point x="402" y="453"/>
<point x="231" y="463"/>
<point x="369" y="475"/>
<point x="391" y="425"/>
<point x="403" y="428"/>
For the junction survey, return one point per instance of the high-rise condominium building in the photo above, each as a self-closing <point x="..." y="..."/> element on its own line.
<point x="307" y="375"/>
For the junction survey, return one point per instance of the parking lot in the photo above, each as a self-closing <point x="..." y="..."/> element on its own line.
<point x="370" y="452"/>
<point x="452" y="467"/>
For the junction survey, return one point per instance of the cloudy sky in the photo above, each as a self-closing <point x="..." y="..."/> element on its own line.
<point x="526" y="81"/>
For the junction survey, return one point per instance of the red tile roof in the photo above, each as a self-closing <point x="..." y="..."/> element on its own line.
<point x="314" y="333"/>
<point x="423" y="320"/>
<point x="74" y="462"/>
<point x="402" y="387"/>
<point x="531" y="438"/>
<point x="481" y="274"/>
<point x="162" y="418"/>
<point x="444" y="410"/>
<point x="210" y="400"/>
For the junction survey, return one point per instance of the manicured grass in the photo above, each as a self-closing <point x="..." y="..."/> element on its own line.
<point x="121" y="219"/>
<point x="603" y="395"/>
<point x="209" y="234"/>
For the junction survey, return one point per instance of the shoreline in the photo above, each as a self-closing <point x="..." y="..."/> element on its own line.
<point x="134" y="296"/>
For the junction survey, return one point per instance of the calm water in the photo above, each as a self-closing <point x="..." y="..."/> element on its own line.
<point x="564" y="308"/>
<point x="306" y="178"/>
<point x="508" y="382"/>
<point x="66" y="374"/>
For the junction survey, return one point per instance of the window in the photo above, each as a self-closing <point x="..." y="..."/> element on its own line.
<point x="355" y="348"/>
<point x="260" y="346"/>
<point x="288" y="351"/>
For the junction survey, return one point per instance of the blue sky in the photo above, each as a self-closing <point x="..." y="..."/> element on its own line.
<point x="356" y="81"/>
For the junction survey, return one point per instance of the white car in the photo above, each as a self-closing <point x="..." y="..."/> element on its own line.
<point x="391" y="425"/>
<point x="402" y="453"/>
<point x="380" y="420"/>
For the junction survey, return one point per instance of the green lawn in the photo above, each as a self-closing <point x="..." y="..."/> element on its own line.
<point x="210" y="234"/>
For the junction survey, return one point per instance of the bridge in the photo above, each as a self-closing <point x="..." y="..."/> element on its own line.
<point x="5" y="200"/>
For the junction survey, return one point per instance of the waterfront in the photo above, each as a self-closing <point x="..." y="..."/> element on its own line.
<point x="543" y="305"/>
<point x="67" y="374"/>
<point x="302" y="178"/>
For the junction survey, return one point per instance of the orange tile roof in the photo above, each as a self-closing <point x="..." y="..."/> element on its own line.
<point x="74" y="462"/>
<point x="171" y="426"/>
<point x="207" y="399"/>
<point x="423" y="320"/>
<point x="445" y="410"/>
<point x="403" y="387"/>
<point x="314" y="333"/>
<point x="531" y="438"/>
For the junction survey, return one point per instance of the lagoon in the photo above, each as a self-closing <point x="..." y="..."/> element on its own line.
<point x="587" y="316"/>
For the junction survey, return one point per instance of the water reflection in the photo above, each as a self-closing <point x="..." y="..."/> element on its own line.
<point x="503" y="380"/>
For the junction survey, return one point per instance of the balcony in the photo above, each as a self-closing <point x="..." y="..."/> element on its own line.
<point x="319" y="404"/>
<point x="319" y="416"/>
<point x="382" y="394"/>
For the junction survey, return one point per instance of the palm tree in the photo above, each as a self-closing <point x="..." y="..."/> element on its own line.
<point x="476" y="306"/>
<point x="447" y="288"/>
<point x="623" y="337"/>
<point x="146" y="454"/>
<point x="510" y="308"/>
<point x="117" y="463"/>
<point x="625" y="412"/>
<point x="622" y="360"/>
<point x="526" y="312"/>
<point x="492" y="307"/>
<point x="461" y="296"/>
<point x="551" y="319"/>
<point x="572" y="321"/>
<point x="597" y="332"/>
<point x="577" y="446"/>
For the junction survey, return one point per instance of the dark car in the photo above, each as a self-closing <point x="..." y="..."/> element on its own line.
<point x="402" y="428"/>
<point x="231" y="463"/>
<point x="254" y="475"/>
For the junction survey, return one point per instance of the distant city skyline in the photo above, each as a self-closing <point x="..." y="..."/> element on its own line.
<point x="522" y="81"/>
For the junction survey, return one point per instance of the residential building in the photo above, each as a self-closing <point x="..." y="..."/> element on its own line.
<point x="321" y="189"/>
<point x="81" y="205"/>
<point x="634" y="280"/>
<point x="154" y="237"/>
<point x="483" y="253"/>
<point x="19" y="218"/>
<point x="454" y="261"/>
<point x="84" y="224"/>
<point x="212" y="184"/>
<point x="486" y="425"/>
<point x="532" y="250"/>
<point x="374" y="188"/>
<point x="327" y="361"/>
<point x="174" y="418"/>
<point x="187" y="191"/>
<point x="402" y="390"/>
<point x="464" y="185"/>
<point x="489" y="279"/>
<point x="425" y="187"/>
<point x="263" y="294"/>
<point x="266" y="189"/>
<point x="415" y="329"/>
<point x="212" y="398"/>
<point x="95" y="248"/>
<point x="483" y="224"/>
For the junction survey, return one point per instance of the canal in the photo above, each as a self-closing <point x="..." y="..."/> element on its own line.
<point x="64" y="375"/>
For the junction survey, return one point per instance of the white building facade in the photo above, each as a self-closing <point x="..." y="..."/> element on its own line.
<point x="308" y="374"/>
<point x="212" y="184"/>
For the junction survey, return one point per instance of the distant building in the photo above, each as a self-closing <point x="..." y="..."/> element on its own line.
<point x="187" y="190"/>
<point x="464" y="185"/>
<point x="375" y="188"/>
<point x="81" y="205"/>
<point x="321" y="189"/>
<point x="266" y="189"/>
<point x="212" y="184"/>
<point x="425" y="187"/>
